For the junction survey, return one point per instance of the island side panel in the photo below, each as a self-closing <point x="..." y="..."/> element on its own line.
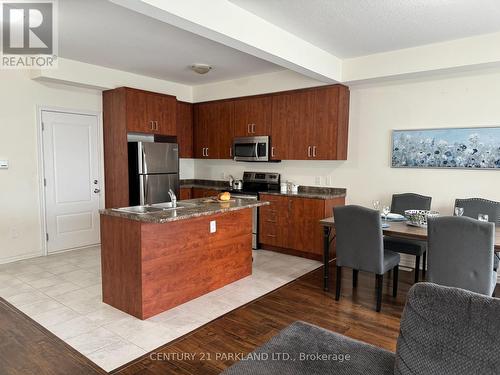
<point x="182" y="260"/>
<point x="121" y="264"/>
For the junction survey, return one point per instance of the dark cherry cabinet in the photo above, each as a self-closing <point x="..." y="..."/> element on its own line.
<point x="148" y="112"/>
<point x="252" y="116"/>
<point x="185" y="129"/>
<point x="185" y="193"/>
<point x="213" y="130"/>
<point x="291" y="224"/>
<point x="203" y="193"/>
<point x="305" y="124"/>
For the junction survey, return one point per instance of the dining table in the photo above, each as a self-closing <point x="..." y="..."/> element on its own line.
<point x="393" y="229"/>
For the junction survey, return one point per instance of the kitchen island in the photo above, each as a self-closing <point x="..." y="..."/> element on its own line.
<point x="156" y="258"/>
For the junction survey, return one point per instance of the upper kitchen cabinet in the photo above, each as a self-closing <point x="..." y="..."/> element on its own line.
<point x="185" y="129"/>
<point x="328" y="134"/>
<point x="310" y="124"/>
<point x="213" y="130"/>
<point x="147" y="112"/>
<point x="252" y="116"/>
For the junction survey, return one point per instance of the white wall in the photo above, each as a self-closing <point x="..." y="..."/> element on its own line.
<point x="468" y="99"/>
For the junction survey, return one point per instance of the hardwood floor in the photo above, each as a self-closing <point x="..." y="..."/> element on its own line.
<point x="215" y="345"/>
<point x="27" y="348"/>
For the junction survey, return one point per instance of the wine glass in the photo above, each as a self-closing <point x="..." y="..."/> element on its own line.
<point x="386" y="210"/>
<point x="483" y="217"/>
<point x="376" y="205"/>
<point x="459" y="211"/>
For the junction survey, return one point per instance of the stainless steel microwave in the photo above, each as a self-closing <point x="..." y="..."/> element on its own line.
<point x="251" y="148"/>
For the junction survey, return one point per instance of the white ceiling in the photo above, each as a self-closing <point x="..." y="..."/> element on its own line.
<point x="102" y="33"/>
<point x="351" y="28"/>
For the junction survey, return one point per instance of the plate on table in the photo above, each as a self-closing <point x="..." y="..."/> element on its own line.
<point x="394" y="217"/>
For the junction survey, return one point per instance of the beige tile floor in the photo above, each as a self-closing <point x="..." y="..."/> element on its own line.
<point x="62" y="292"/>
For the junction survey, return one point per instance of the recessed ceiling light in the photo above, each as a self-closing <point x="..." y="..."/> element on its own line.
<point x="201" y="68"/>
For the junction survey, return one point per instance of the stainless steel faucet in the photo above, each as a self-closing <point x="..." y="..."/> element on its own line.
<point x="173" y="197"/>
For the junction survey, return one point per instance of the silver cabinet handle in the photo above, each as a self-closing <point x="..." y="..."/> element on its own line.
<point x="253" y="128"/>
<point x="207" y="151"/>
<point x="248" y="128"/>
<point x="308" y="151"/>
<point x="272" y="151"/>
<point x="314" y="151"/>
<point x="156" y="125"/>
<point x="230" y="152"/>
<point x="203" y="151"/>
<point x="97" y="191"/>
<point x="151" y="125"/>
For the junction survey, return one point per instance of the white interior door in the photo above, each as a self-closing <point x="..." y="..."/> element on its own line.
<point x="72" y="183"/>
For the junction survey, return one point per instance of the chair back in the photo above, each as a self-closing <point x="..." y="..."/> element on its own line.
<point x="359" y="238"/>
<point x="448" y="331"/>
<point x="409" y="201"/>
<point x="460" y="253"/>
<point x="475" y="206"/>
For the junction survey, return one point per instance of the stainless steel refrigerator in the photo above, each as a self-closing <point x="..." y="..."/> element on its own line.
<point x="153" y="169"/>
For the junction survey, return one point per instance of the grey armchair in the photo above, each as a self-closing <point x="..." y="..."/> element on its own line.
<point x="443" y="331"/>
<point x="401" y="203"/>
<point x="360" y="246"/>
<point x="461" y="251"/>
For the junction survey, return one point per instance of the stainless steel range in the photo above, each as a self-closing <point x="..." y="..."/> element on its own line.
<point x="253" y="184"/>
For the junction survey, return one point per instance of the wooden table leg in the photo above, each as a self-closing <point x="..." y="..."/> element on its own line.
<point x="326" y="257"/>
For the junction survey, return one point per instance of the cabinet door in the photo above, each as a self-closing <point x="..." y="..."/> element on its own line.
<point x="283" y="121"/>
<point x="305" y="233"/>
<point x="202" y="117"/>
<point x="185" y="129"/>
<point x="252" y="117"/>
<point x="203" y="193"/>
<point x="302" y="114"/>
<point x="167" y="116"/>
<point x="185" y="193"/>
<point x="136" y="112"/>
<point x="323" y="136"/>
<point x="221" y="131"/>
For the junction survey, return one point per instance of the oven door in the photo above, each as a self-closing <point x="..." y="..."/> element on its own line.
<point x="251" y="148"/>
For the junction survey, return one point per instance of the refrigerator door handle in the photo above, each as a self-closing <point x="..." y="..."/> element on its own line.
<point x="143" y="190"/>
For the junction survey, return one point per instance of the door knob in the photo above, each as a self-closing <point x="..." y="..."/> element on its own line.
<point x="97" y="191"/>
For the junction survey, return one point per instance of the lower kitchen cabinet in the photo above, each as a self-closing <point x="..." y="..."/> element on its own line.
<point x="186" y="193"/>
<point x="204" y="193"/>
<point x="291" y="224"/>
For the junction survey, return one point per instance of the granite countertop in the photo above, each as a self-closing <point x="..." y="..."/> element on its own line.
<point x="202" y="208"/>
<point x="310" y="194"/>
<point x="313" y="192"/>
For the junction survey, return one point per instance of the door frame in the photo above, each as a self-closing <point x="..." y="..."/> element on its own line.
<point x="41" y="170"/>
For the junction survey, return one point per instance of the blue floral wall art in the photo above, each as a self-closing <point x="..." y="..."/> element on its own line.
<point x="471" y="148"/>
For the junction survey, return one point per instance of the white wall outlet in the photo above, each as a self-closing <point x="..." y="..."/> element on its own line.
<point x="317" y="180"/>
<point x="4" y="164"/>
<point x="213" y="226"/>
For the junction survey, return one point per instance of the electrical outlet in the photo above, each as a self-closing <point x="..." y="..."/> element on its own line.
<point x="317" y="180"/>
<point x="213" y="226"/>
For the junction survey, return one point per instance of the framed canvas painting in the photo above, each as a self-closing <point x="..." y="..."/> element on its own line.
<point x="470" y="148"/>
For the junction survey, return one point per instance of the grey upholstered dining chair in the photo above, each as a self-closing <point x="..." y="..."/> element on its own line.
<point x="461" y="253"/>
<point x="475" y="206"/>
<point x="401" y="203"/>
<point x="360" y="246"/>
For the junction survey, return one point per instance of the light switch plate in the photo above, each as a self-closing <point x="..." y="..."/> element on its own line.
<point x="213" y="226"/>
<point x="4" y="164"/>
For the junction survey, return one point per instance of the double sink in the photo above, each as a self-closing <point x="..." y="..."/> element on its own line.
<point x="158" y="207"/>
